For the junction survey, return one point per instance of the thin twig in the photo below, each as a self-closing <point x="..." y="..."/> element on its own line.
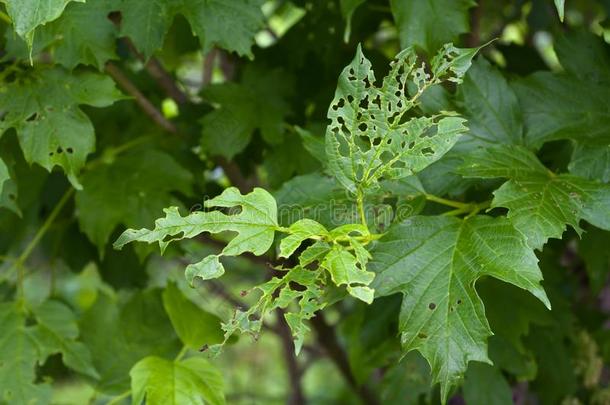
<point x="474" y="36"/>
<point x="234" y="174"/>
<point x="156" y="70"/>
<point x="208" y="67"/>
<point x="123" y="81"/>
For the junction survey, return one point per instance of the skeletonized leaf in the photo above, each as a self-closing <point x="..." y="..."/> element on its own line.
<point x="369" y="136"/>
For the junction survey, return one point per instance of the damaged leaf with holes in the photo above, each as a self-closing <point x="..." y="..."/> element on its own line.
<point x="42" y="106"/>
<point x="379" y="131"/>
<point x="253" y="216"/>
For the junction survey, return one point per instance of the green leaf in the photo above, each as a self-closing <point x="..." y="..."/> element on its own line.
<point x="317" y="197"/>
<point x="490" y="106"/>
<point x="435" y="262"/>
<point x="84" y="34"/>
<point x="584" y="55"/>
<point x="131" y="190"/>
<point x="593" y="250"/>
<point x="27" y="15"/>
<point x="206" y="269"/>
<point x="429" y="24"/>
<point x="560" y="5"/>
<point x="192" y="381"/>
<point x="4" y="177"/>
<point x="368" y="138"/>
<point x="228" y="24"/>
<point x="556" y="378"/>
<point x="239" y="112"/>
<point x="540" y="202"/>
<point x="348" y="7"/>
<point x="52" y="129"/>
<point x="255" y="223"/>
<point x="58" y="331"/>
<point x="194" y="326"/>
<point x="558" y="106"/>
<point x="485" y="384"/>
<point x="19" y="355"/>
<point x="345" y="269"/>
<point x="502" y="161"/>
<point x="298" y="232"/>
<point x="591" y="162"/>
<point x="131" y="330"/>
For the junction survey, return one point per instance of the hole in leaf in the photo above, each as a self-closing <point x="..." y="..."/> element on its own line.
<point x="427" y="151"/>
<point x="432" y="305"/>
<point x="32" y="117"/>
<point x="169" y="238"/>
<point x="69" y="150"/>
<point x="362" y="126"/>
<point x="364" y="103"/>
<point x="59" y="150"/>
<point x="459" y="302"/>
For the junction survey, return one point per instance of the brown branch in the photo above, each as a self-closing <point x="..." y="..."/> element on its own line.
<point x="474" y="37"/>
<point x="123" y="81"/>
<point x="234" y="174"/>
<point x="156" y="70"/>
<point x="328" y="339"/>
<point x="208" y="67"/>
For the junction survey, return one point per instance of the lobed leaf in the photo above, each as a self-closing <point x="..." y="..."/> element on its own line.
<point x="435" y="262"/>
<point x="27" y="15"/>
<point x="255" y="223"/>
<point x="228" y="24"/>
<point x="19" y="355"/>
<point x="370" y="136"/>
<point x="51" y="128"/>
<point x="540" y="203"/>
<point x="429" y="24"/>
